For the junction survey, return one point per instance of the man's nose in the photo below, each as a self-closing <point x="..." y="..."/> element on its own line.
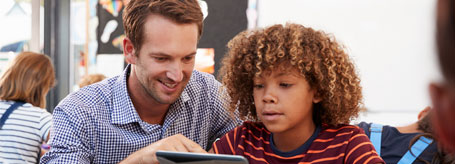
<point x="175" y="72"/>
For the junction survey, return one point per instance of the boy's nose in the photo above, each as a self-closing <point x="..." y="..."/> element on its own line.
<point x="269" y="98"/>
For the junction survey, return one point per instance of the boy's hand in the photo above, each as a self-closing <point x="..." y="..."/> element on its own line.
<point x="178" y="142"/>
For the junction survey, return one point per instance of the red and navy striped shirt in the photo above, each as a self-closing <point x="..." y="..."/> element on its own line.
<point x="340" y="144"/>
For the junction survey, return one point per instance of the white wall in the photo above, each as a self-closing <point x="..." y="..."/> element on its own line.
<point x="391" y="42"/>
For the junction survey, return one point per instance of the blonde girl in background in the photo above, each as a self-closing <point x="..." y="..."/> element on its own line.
<point x="25" y="124"/>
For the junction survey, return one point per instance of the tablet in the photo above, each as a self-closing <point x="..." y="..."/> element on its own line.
<point x="168" y="157"/>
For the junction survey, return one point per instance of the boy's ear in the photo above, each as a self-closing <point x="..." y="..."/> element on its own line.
<point x="316" y="97"/>
<point x="129" y="51"/>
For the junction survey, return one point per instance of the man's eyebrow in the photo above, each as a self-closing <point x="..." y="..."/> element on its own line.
<point x="191" y="54"/>
<point x="167" y="55"/>
<point x="159" y="54"/>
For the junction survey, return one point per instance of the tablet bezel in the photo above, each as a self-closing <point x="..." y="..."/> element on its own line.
<point x="192" y="157"/>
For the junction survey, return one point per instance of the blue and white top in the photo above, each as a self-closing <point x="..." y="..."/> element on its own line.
<point x="99" y="124"/>
<point x="23" y="133"/>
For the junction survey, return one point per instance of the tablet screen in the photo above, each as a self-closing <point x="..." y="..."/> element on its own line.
<point x="168" y="157"/>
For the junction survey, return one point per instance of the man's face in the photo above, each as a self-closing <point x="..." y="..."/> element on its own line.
<point x="164" y="64"/>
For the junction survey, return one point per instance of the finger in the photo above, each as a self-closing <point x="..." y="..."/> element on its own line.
<point x="180" y="147"/>
<point x="189" y="145"/>
<point x="173" y="143"/>
<point x="197" y="149"/>
<point x="192" y="146"/>
<point x="183" y="144"/>
<point x="149" y="158"/>
<point x="211" y="151"/>
<point x="171" y="148"/>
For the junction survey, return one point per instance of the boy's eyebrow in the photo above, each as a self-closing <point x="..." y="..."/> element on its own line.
<point x="281" y="74"/>
<point x="285" y="74"/>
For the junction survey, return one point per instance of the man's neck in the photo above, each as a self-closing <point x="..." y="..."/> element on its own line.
<point x="147" y="108"/>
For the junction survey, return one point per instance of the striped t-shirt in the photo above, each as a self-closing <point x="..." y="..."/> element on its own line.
<point x="23" y="133"/>
<point x="340" y="144"/>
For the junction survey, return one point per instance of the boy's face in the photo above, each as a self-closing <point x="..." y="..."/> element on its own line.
<point x="284" y="101"/>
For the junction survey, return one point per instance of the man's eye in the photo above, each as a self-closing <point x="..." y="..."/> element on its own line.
<point x="188" y="58"/>
<point x="160" y="58"/>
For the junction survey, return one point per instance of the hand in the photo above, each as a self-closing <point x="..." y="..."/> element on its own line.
<point x="178" y="142"/>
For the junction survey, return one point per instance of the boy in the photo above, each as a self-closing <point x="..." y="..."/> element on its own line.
<point x="297" y="89"/>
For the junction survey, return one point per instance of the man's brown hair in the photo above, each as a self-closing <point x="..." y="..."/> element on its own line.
<point x="179" y="11"/>
<point x="28" y="79"/>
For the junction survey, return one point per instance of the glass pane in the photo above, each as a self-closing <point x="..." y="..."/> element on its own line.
<point x="16" y="30"/>
<point x="96" y="38"/>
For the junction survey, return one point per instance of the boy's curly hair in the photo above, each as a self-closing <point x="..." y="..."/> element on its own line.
<point x="318" y="58"/>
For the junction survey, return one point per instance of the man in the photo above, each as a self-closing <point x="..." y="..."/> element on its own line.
<point x="443" y="94"/>
<point x="156" y="104"/>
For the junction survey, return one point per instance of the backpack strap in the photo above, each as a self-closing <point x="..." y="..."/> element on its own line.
<point x="9" y="111"/>
<point x="417" y="148"/>
<point x="375" y="136"/>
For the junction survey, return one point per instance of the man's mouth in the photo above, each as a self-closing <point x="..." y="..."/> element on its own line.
<point x="169" y="85"/>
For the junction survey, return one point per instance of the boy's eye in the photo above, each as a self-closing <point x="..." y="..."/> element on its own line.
<point x="285" y="85"/>
<point x="258" y="86"/>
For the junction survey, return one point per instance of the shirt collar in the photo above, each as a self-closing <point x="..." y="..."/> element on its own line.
<point x="123" y="111"/>
<point x="300" y="150"/>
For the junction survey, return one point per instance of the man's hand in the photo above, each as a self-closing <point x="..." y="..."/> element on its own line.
<point x="178" y="142"/>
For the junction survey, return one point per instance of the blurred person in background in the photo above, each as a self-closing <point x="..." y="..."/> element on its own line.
<point x="443" y="94"/>
<point x="25" y="124"/>
<point x="413" y="143"/>
<point x="91" y="79"/>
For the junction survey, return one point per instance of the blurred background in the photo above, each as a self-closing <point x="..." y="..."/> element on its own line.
<point x="391" y="42"/>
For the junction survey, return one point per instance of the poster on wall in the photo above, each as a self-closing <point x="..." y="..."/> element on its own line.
<point x="224" y="19"/>
<point x="110" y="33"/>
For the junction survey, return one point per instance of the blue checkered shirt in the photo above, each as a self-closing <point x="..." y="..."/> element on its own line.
<point x="99" y="124"/>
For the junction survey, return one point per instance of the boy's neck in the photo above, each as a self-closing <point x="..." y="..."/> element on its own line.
<point x="292" y="139"/>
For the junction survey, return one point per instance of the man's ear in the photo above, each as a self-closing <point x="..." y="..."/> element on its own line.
<point x="129" y="51"/>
